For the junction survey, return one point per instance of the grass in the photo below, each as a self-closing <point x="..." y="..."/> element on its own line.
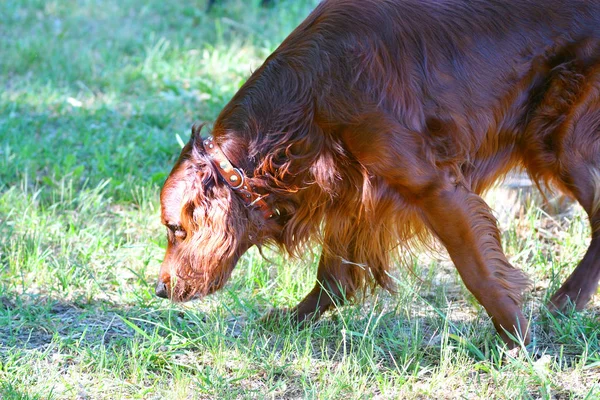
<point x="95" y="98"/>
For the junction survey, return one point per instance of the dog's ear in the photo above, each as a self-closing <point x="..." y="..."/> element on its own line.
<point x="196" y="138"/>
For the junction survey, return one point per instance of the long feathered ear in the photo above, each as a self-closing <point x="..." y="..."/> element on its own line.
<point x="196" y="130"/>
<point x="196" y="138"/>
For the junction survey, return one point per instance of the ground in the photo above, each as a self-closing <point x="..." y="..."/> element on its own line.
<point x="96" y="99"/>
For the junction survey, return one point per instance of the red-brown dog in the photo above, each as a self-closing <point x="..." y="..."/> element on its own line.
<point x="376" y="119"/>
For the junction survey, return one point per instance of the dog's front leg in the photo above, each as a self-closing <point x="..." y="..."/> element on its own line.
<point x="464" y="224"/>
<point x="337" y="281"/>
<point x="457" y="216"/>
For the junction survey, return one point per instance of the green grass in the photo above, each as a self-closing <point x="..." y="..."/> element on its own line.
<point x="95" y="97"/>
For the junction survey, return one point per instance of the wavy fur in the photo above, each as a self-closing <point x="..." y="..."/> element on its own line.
<point x="376" y="122"/>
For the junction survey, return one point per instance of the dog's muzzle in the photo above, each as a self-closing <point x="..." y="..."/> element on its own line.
<point x="161" y="290"/>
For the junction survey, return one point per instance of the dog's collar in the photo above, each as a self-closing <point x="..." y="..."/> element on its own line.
<point x="236" y="179"/>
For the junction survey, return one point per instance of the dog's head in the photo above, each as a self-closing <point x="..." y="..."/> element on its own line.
<point x="208" y="224"/>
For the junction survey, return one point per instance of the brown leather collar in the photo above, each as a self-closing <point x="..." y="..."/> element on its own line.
<point x="236" y="179"/>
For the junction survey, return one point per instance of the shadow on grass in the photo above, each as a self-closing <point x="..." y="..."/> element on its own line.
<point x="38" y="322"/>
<point x="169" y="336"/>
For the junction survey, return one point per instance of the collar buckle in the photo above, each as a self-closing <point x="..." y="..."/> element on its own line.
<point x="236" y="179"/>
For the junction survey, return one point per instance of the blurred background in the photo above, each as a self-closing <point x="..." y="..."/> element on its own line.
<point x="99" y="89"/>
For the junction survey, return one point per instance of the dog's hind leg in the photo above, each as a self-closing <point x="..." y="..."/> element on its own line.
<point x="578" y="170"/>
<point x="562" y="145"/>
<point x="582" y="284"/>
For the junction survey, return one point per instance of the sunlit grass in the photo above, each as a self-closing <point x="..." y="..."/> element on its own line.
<point x="94" y="96"/>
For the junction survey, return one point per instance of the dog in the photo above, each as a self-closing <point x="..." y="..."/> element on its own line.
<point x="379" y="122"/>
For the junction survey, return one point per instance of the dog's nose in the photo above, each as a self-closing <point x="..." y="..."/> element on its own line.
<point x="161" y="290"/>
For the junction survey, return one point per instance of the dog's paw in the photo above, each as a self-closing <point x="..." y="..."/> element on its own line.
<point x="275" y="315"/>
<point x="564" y="301"/>
<point x="287" y="316"/>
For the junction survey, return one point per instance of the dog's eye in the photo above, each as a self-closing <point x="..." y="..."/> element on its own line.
<point x="177" y="231"/>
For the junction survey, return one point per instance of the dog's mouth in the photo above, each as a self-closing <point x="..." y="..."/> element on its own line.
<point x="164" y="291"/>
<point x="179" y="290"/>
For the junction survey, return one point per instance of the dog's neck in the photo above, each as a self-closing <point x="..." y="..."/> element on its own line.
<point x="236" y="179"/>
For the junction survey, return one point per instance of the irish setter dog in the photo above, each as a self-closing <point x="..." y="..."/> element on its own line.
<point x="376" y="122"/>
